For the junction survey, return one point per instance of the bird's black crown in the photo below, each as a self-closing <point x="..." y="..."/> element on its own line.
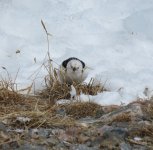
<point x="65" y="62"/>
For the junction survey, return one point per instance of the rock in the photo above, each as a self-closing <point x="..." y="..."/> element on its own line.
<point x="133" y="112"/>
<point x="11" y="145"/>
<point x="29" y="146"/>
<point x="110" y="108"/>
<point x="113" y="137"/>
<point x="120" y="128"/>
<point x="82" y="147"/>
<point x="125" y="146"/>
<point x="60" y="146"/>
<point x="109" y="145"/>
<point x="104" y="129"/>
<point x="61" y="112"/>
<point x="89" y="143"/>
<point x="2" y="127"/>
<point x="141" y="147"/>
<point x="44" y="132"/>
<point x="82" y="138"/>
<point x="87" y="120"/>
<point x="109" y="131"/>
<point x="52" y="141"/>
<point x="99" y="113"/>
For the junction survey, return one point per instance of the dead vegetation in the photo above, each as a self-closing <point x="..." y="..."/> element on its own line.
<point x="40" y="111"/>
<point x="143" y="131"/>
<point x="79" y="109"/>
<point x="57" y="91"/>
<point x="33" y="112"/>
<point x="124" y="117"/>
<point x="9" y="96"/>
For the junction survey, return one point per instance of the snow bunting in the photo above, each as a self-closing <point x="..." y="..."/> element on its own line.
<point x="72" y="70"/>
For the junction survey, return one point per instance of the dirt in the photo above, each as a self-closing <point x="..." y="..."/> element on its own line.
<point x="108" y="128"/>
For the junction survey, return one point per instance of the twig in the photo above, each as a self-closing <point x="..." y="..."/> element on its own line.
<point x="48" y="48"/>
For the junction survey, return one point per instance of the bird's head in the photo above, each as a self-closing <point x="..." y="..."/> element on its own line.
<point x="74" y="66"/>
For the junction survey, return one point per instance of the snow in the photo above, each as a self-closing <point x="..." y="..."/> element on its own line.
<point x="137" y="138"/>
<point x="73" y="92"/>
<point x="113" y="37"/>
<point x="23" y="119"/>
<point x="16" y="130"/>
<point x="104" y="98"/>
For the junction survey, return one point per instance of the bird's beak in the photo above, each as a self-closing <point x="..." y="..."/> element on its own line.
<point x="74" y="69"/>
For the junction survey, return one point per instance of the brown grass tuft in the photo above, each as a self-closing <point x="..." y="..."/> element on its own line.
<point x="89" y="89"/>
<point x="143" y="131"/>
<point x="148" y="109"/>
<point x="124" y="117"/>
<point x="37" y="110"/>
<point x="8" y="96"/>
<point x="80" y="109"/>
<point x="58" y="91"/>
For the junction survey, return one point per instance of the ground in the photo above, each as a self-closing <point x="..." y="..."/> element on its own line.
<point x="32" y="122"/>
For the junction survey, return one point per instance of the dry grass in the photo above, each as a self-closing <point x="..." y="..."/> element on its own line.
<point x="39" y="119"/>
<point x="89" y="89"/>
<point x="148" y="109"/>
<point x="58" y="91"/>
<point x="41" y="109"/>
<point x="8" y="95"/>
<point x="124" y="117"/>
<point x="11" y="101"/>
<point x="146" y="106"/>
<point x="40" y="112"/>
<point x="79" y="109"/>
<point x="145" y="131"/>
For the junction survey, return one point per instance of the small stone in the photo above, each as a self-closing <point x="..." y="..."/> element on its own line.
<point x="104" y="129"/>
<point x="82" y="147"/>
<point x="89" y="143"/>
<point x="82" y="138"/>
<point x="60" y="146"/>
<point x="112" y="137"/>
<point x="61" y="112"/>
<point x="125" y="146"/>
<point x="133" y="110"/>
<point x="4" y="136"/>
<point x="99" y="113"/>
<point x="52" y="141"/>
<point x="67" y="144"/>
<point x="2" y="127"/>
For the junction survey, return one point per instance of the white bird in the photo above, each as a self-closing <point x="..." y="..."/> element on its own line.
<point x="73" y="70"/>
